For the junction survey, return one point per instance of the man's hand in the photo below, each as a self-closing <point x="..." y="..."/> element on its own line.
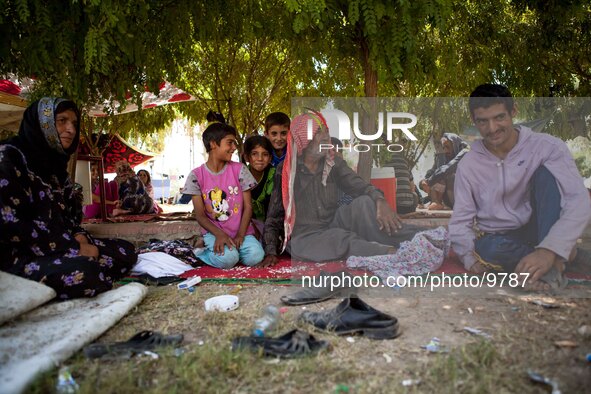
<point x="536" y="264"/>
<point x="220" y="241"/>
<point x="387" y="220"/>
<point x="268" y="261"/>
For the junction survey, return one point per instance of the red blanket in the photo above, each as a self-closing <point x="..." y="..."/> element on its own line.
<point x="286" y="270"/>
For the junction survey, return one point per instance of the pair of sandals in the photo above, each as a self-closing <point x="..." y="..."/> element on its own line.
<point x="295" y="343"/>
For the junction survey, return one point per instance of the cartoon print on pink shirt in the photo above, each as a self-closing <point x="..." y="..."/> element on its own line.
<point x="219" y="204"/>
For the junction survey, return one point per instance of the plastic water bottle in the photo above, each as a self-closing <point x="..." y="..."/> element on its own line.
<point x="65" y="382"/>
<point x="267" y="322"/>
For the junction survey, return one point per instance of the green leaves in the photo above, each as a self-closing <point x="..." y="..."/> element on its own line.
<point x="248" y="57"/>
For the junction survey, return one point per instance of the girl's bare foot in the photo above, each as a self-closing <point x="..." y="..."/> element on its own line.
<point x="119" y="211"/>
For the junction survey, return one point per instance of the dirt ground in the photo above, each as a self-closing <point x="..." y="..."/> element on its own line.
<point x="524" y="336"/>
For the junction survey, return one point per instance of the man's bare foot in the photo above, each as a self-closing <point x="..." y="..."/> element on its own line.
<point x="479" y="268"/>
<point x="435" y="206"/>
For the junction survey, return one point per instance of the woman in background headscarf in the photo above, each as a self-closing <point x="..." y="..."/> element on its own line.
<point x="132" y="193"/>
<point x="40" y="236"/>
<point x="439" y="180"/>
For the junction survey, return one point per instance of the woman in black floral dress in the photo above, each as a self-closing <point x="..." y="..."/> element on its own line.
<point x="40" y="209"/>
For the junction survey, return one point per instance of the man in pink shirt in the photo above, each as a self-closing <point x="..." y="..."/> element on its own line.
<point x="520" y="200"/>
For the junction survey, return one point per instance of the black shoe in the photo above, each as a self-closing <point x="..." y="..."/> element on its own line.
<point x="310" y="295"/>
<point x="353" y="316"/>
<point x="293" y="344"/>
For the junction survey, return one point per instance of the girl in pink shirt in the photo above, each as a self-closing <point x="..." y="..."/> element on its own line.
<point x="222" y="201"/>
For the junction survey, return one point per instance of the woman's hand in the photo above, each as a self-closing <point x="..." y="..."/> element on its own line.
<point x="82" y="239"/>
<point x="424" y="186"/>
<point x="86" y="248"/>
<point x="88" y="251"/>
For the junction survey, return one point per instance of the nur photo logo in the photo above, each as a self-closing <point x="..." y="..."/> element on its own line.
<point x="340" y="126"/>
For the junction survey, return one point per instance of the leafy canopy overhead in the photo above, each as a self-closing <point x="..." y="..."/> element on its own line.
<point x="247" y="58"/>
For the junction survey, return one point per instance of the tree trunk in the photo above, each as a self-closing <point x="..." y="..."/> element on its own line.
<point x="369" y="122"/>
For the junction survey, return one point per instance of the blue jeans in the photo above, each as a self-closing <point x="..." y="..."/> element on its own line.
<point x="250" y="253"/>
<point x="508" y="248"/>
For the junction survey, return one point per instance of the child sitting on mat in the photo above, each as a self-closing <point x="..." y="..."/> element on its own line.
<point x="222" y="202"/>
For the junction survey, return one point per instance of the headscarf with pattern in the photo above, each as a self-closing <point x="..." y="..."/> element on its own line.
<point x="39" y="140"/>
<point x="457" y="143"/>
<point x="124" y="171"/>
<point x="297" y="141"/>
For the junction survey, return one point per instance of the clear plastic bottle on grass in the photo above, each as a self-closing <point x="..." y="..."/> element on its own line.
<point x="65" y="382"/>
<point x="267" y="322"/>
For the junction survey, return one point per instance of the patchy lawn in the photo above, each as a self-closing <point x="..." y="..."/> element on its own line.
<point x="524" y="337"/>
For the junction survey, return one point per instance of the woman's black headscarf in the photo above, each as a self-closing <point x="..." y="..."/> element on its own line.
<point x="39" y="140"/>
<point x="457" y="143"/>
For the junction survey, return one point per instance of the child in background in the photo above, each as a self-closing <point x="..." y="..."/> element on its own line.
<point x="147" y="181"/>
<point x="258" y="152"/>
<point x="276" y="129"/>
<point x="222" y="202"/>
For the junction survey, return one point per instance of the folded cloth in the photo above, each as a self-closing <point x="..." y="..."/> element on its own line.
<point x="424" y="253"/>
<point x="158" y="264"/>
<point x="182" y="250"/>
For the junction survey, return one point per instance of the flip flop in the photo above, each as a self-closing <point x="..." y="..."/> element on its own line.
<point x="142" y="341"/>
<point x="295" y="343"/>
<point x="555" y="279"/>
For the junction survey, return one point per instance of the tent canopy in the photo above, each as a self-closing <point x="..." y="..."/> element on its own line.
<point x="114" y="149"/>
<point x="13" y="101"/>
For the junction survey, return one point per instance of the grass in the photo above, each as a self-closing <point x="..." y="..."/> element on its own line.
<point x="523" y="340"/>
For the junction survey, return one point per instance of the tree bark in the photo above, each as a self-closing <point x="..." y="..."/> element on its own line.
<point x="369" y="121"/>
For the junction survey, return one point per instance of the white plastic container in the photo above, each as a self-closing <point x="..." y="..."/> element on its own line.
<point x="223" y="303"/>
